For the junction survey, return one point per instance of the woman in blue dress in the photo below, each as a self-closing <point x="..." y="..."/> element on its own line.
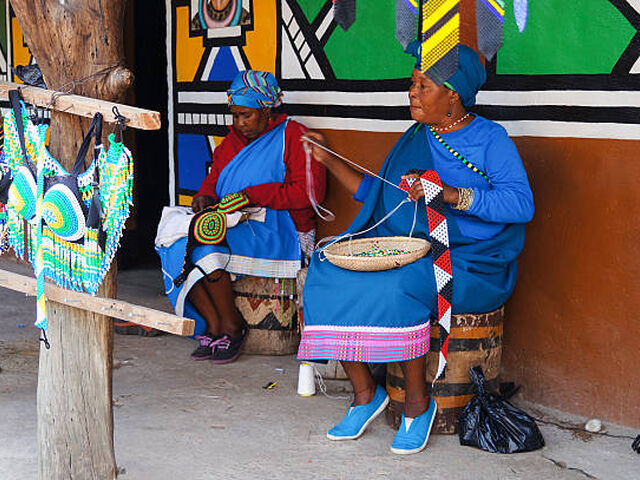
<point x="364" y="317"/>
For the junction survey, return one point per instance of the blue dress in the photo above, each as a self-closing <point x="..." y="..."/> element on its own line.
<point x="263" y="249"/>
<point x="384" y="316"/>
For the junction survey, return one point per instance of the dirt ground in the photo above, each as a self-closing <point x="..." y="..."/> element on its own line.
<point x="175" y="418"/>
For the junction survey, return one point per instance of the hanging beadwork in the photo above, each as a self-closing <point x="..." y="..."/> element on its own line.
<point x="81" y="259"/>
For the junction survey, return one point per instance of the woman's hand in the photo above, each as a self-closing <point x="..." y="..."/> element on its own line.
<point x="319" y="154"/>
<point x="201" y="202"/>
<point x="416" y="192"/>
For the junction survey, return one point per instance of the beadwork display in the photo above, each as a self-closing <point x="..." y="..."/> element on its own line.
<point x="22" y="193"/>
<point x="74" y="226"/>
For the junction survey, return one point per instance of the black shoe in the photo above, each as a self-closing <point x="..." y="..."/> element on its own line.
<point x="226" y="348"/>
<point x="205" y="348"/>
<point x="129" y="328"/>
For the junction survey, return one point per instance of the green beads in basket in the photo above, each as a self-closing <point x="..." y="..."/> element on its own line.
<point x="383" y="252"/>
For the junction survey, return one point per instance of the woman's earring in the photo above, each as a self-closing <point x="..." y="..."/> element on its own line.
<point x="450" y="110"/>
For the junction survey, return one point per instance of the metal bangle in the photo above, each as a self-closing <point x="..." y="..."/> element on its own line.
<point x="465" y="198"/>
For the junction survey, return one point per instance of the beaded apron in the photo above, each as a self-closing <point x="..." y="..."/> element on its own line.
<point x="442" y="270"/>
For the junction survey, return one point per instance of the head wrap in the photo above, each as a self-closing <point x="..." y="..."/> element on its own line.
<point x="255" y="89"/>
<point x="469" y="77"/>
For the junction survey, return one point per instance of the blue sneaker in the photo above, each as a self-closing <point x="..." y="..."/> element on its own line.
<point x="359" y="417"/>
<point x="413" y="433"/>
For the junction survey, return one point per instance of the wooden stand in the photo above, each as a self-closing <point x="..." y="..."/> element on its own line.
<point x="78" y="46"/>
<point x="102" y="306"/>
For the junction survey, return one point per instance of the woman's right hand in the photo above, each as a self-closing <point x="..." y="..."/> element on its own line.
<point x="319" y="154"/>
<point x="201" y="202"/>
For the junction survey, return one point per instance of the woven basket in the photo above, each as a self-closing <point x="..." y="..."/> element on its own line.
<point x="342" y="253"/>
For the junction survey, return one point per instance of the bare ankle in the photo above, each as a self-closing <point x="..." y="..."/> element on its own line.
<point x="415" y="407"/>
<point x="364" y="396"/>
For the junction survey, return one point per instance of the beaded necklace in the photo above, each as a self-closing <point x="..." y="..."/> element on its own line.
<point x="451" y="125"/>
<point x="458" y="155"/>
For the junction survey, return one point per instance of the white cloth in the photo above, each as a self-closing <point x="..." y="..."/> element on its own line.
<point x="174" y="222"/>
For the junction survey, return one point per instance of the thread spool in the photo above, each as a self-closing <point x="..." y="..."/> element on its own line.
<point x="306" y="380"/>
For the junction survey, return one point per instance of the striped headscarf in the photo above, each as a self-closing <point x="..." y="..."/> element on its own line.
<point x="254" y="89"/>
<point x="469" y="76"/>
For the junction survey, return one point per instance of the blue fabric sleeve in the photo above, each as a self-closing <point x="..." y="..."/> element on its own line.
<point x="364" y="188"/>
<point x="509" y="199"/>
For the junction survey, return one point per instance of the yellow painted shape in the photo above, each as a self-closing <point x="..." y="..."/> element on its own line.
<point x="433" y="13"/>
<point x="217" y="140"/>
<point x="261" y="42"/>
<point x="188" y="50"/>
<point x="432" y="50"/>
<point x="185" y="200"/>
<point x="21" y="54"/>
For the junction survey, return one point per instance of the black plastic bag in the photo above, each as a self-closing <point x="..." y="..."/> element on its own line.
<point x="491" y="423"/>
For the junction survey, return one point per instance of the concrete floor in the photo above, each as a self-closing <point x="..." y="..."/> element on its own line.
<point x="175" y="418"/>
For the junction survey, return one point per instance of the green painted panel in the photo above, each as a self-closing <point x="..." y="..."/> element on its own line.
<point x="369" y="49"/>
<point x="564" y="37"/>
<point x="311" y="8"/>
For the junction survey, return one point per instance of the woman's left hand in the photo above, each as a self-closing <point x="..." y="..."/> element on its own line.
<point x="416" y="192"/>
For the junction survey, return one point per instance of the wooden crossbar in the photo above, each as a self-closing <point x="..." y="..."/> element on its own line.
<point x="148" y="317"/>
<point x="83" y="106"/>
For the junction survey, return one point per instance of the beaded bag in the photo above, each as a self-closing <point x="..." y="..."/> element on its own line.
<point x="82" y="214"/>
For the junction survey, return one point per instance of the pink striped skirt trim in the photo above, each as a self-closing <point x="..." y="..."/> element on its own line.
<point x="364" y="344"/>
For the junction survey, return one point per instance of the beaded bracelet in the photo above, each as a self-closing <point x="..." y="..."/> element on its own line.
<point x="465" y="198"/>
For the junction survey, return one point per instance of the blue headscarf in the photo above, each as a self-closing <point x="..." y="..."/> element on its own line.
<point x="254" y="89"/>
<point x="469" y="76"/>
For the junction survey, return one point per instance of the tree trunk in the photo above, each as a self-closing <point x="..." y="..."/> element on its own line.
<point x="72" y="40"/>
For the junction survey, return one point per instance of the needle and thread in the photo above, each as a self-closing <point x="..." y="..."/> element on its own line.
<point x="335" y="239"/>
<point x="366" y="170"/>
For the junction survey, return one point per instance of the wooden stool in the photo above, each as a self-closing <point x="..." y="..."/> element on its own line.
<point x="270" y="308"/>
<point x="474" y="339"/>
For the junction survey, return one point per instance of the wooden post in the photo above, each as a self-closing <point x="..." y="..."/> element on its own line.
<point x="71" y="41"/>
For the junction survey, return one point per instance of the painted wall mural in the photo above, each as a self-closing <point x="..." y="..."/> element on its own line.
<point x="573" y="72"/>
<point x="566" y="75"/>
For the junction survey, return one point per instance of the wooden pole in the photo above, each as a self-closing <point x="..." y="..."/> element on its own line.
<point x="72" y="40"/>
<point x="83" y="106"/>
<point x="148" y="317"/>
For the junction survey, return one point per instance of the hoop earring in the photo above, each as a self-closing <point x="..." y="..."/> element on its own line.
<point x="450" y="110"/>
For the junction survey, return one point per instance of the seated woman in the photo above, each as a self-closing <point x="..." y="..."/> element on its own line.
<point x="360" y="317"/>
<point x="261" y="163"/>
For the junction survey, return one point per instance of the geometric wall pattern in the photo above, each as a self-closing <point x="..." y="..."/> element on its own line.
<point x="569" y="75"/>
